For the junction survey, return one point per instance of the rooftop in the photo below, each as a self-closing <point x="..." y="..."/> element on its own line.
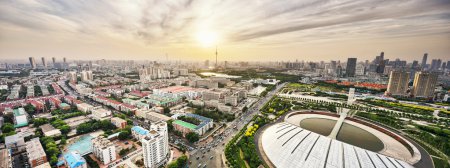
<point x="74" y="159"/>
<point x="19" y="112"/>
<point x="185" y="124"/>
<point x="47" y="127"/>
<point x="34" y="149"/>
<point x="140" y="130"/>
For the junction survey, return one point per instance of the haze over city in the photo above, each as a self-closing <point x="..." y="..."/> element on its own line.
<point x="242" y="30"/>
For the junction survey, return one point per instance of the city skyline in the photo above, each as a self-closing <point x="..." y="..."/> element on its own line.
<point x="310" y="31"/>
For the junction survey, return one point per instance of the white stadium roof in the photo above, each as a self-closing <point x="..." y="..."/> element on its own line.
<point x="289" y="146"/>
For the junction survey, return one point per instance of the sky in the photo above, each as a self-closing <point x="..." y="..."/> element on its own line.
<point x="242" y="30"/>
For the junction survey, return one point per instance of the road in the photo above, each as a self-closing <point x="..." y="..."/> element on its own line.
<point x="210" y="155"/>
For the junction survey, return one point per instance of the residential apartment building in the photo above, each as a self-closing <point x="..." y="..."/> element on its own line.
<point x="118" y="122"/>
<point x="424" y="84"/>
<point x="103" y="149"/>
<point x="35" y="153"/>
<point x="398" y="83"/>
<point x="155" y="145"/>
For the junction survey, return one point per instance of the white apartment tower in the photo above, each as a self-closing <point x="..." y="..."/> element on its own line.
<point x="103" y="149"/>
<point x="84" y="76"/>
<point x="72" y="77"/>
<point x="155" y="146"/>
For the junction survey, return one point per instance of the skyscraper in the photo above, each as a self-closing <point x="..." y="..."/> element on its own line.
<point x="424" y="84"/>
<point x="398" y="83"/>
<point x="155" y="145"/>
<point x="43" y="62"/>
<point x="415" y="64"/>
<point x="424" y="60"/>
<point x="53" y="60"/>
<point x="380" y="63"/>
<point x="351" y="67"/>
<point x="32" y="62"/>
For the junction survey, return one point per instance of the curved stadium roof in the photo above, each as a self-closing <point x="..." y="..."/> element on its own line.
<point x="289" y="146"/>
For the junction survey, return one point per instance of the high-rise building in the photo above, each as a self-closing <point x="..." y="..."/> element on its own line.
<point x="43" y="62"/>
<point x="53" y="60"/>
<point x="360" y="70"/>
<point x="398" y="83"/>
<point x="339" y="71"/>
<point x="90" y="75"/>
<point x="155" y="145"/>
<point x="448" y="65"/>
<point x="103" y="149"/>
<point x="84" y="76"/>
<point x="436" y="64"/>
<point x="424" y="60"/>
<point x="424" y="84"/>
<point x="72" y="77"/>
<point x="351" y="67"/>
<point x="415" y="64"/>
<point x="32" y="62"/>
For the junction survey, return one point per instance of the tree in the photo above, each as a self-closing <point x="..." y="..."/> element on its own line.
<point x="30" y="109"/>
<point x="181" y="161"/>
<point x="123" y="135"/>
<point x="166" y="110"/>
<point x="169" y="125"/>
<point x="40" y="121"/>
<point x="192" y="137"/>
<point x="244" y="109"/>
<point x="7" y="127"/>
<point x="64" y="129"/>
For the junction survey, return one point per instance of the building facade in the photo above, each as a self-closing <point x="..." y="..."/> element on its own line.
<point x="35" y="153"/>
<point x="424" y="84"/>
<point x="398" y="83"/>
<point x="103" y="149"/>
<point x="155" y="145"/>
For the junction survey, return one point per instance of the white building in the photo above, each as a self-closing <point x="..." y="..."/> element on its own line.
<point x="360" y="70"/>
<point x="155" y="146"/>
<point x="101" y="114"/>
<point x="72" y="76"/>
<point x="103" y="149"/>
<point x="84" y="107"/>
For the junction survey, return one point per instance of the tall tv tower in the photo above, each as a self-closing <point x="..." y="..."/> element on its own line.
<point x="216" y="56"/>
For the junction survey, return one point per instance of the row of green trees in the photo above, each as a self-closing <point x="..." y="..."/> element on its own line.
<point x="246" y="145"/>
<point x="215" y="115"/>
<point x="94" y="125"/>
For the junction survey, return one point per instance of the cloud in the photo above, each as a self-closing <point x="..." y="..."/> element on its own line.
<point x="257" y="22"/>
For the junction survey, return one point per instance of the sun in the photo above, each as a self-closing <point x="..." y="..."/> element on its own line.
<point x="207" y="38"/>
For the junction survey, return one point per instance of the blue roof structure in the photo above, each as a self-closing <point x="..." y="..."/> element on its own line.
<point x="140" y="130"/>
<point x="74" y="159"/>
